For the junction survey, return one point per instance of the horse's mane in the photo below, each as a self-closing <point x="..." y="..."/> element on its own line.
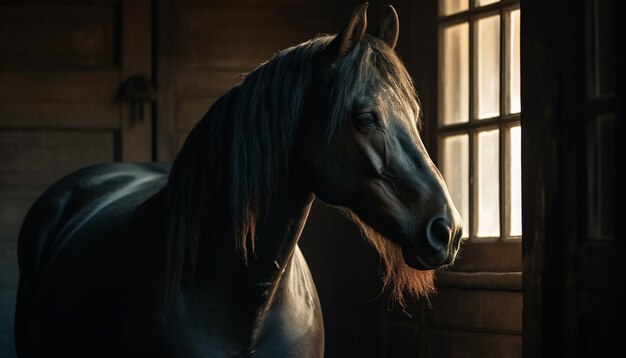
<point x="227" y="171"/>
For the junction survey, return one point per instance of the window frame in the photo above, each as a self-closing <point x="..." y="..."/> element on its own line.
<point x="489" y="254"/>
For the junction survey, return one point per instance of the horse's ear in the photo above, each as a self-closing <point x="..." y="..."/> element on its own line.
<point x="389" y="27"/>
<point x="351" y="35"/>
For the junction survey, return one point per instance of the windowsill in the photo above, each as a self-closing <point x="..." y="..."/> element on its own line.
<point x="484" y="256"/>
<point x="507" y="281"/>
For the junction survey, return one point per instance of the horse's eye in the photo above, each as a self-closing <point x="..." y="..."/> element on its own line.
<point x="365" y="120"/>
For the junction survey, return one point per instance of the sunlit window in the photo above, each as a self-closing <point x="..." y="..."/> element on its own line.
<point x="479" y="114"/>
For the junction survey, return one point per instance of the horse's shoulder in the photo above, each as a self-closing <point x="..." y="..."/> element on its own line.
<point x="294" y="323"/>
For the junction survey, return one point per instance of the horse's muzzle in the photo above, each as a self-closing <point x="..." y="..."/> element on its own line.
<point x="438" y="248"/>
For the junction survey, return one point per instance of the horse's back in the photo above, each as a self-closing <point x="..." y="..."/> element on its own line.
<point x="75" y="199"/>
<point x="71" y="250"/>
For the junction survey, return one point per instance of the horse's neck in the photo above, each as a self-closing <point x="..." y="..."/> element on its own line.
<point x="277" y="239"/>
<point x="247" y="287"/>
<point x="252" y="286"/>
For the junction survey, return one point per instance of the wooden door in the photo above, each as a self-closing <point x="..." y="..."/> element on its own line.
<point x="61" y="67"/>
<point x="573" y="90"/>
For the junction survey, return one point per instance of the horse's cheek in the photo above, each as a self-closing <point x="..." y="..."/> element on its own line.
<point x="331" y="179"/>
<point x="327" y="185"/>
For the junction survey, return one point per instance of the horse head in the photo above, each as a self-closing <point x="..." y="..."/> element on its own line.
<point x="367" y="156"/>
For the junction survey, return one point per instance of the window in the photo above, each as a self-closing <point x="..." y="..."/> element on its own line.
<point x="478" y="125"/>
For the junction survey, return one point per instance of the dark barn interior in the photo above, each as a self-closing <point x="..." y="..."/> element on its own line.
<point x="93" y="81"/>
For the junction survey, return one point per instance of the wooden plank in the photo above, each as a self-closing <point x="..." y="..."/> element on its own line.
<point x="66" y="114"/>
<point x="7" y="309"/>
<point x="486" y="310"/>
<point x="509" y="281"/>
<point x="269" y="14"/>
<point x="136" y="133"/>
<point x="101" y="85"/>
<point x="13" y="208"/>
<point x="235" y="37"/>
<point x="446" y="344"/>
<point x="190" y="111"/>
<point x="479" y="257"/>
<point x="241" y="3"/>
<point x="235" y="47"/>
<point x="206" y="83"/>
<point x="165" y="80"/>
<point x="33" y="159"/>
<point x="55" y="35"/>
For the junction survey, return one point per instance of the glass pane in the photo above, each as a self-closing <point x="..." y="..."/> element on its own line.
<point x="513" y="58"/>
<point x="454" y="105"/>
<point x="485" y="2"/>
<point x="487" y="86"/>
<point x="601" y="177"/>
<point x="456" y="174"/>
<point x="488" y="180"/>
<point x="515" y="181"/>
<point x="449" y="7"/>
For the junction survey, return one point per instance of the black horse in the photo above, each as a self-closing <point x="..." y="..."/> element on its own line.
<point x="124" y="259"/>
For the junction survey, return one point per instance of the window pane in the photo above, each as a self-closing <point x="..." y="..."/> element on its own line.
<point x="513" y="58"/>
<point x="456" y="174"/>
<point x="485" y="2"/>
<point x="449" y="7"/>
<point x="454" y="105"/>
<point x="515" y="181"/>
<point x="601" y="177"/>
<point x="488" y="184"/>
<point x="487" y="86"/>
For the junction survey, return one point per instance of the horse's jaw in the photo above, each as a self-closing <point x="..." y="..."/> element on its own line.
<point x="414" y="261"/>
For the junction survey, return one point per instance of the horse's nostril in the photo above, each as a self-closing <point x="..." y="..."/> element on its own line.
<point x="438" y="237"/>
<point x="438" y="233"/>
